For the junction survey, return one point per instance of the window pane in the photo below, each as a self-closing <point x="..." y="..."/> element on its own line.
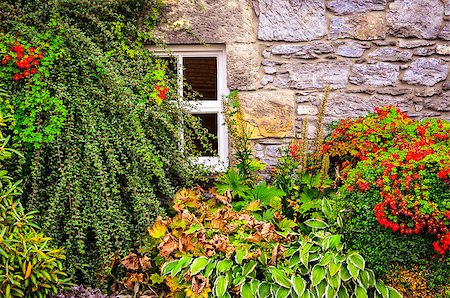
<point x="209" y="121"/>
<point x="201" y="74"/>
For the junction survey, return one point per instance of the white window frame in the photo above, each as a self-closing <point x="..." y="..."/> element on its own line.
<point x="219" y="162"/>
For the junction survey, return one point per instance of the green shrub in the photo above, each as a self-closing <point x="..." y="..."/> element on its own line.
<point x="96" y="122"/>
<point x="396" y="178"/>
<point x="30" y="266"/>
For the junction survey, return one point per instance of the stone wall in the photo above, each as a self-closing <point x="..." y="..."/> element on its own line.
<point x="283" y="53"/>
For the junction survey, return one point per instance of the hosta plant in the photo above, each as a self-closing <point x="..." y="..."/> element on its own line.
<point x="211" y="250"/>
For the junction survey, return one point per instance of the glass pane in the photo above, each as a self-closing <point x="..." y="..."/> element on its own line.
<point x="201" y="74"/>
<point x="209" y="121"/>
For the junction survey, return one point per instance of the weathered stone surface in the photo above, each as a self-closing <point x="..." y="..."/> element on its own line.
<point x="445" y="31"/>
<point x="439" y="103"/>
<point x="377" y="75"/>
<point x="447" y="7"/>
<point x="266" y="53"/>
<point x="270" y="69"/>
<point x="390" y="54"/>
<point x="309" y="51"/>
<point x="424" y="51"/>
<point x="426" y="72"/>
<point x="309" y="110"/>
<point x="395" y="91"/>
<point x="350" y="50"/>
<point x="367" y="26"/>
<point x="343" y="105"/>
<point x="443" y="49"/>
<point x="266" y="80"/>
<point x="273" y="150"/>
<point x="384" y="43"/>
<point x="354" y="6"/>
<point x="270" y="114"/>
<point x="317" y="75"/>
<point x="291" y="20"/>
<point x="211" y="21"/>
<point x="242" y="76"/>
<point x="446" y="86"/>
<point x="427" y="92"/>
<point x="415" y="18"/>
<point x="270" y="63"/>
<point x="410" y="44"/>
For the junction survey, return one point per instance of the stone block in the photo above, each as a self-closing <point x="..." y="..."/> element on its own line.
<point x="390" y="54"/>
<point x="415" y="18"/>
<point x="443" y="49"/>
<point x="445" y="31"/>
<point x="426" y="72"/>
<point x="355" y="6"/>
<point x="377" y="75"/>
<point x="270" y="114"/>
<point x="309" y="110"/>
<point x="317" y="75"/>
<point x="411" y="44"/>
<point x="350" y="50"/>
<point x="439" y="103"/>
<point x="242" y="66"/>
<point x="366" y="26"/>
<point x="293" y="20"/>
<point x="424" y="51"/>
<point x="308" y="51"/>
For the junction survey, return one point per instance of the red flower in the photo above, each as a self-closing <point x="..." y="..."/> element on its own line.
<point x="31" y="49"/>
<point x="7" y="58"/>
<point x="40" y="56"/>
<point x="33" y="70"/>
<point x="26" y="72"/>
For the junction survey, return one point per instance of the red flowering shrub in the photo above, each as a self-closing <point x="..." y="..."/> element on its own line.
<point x="26" y="60"/>
<point x="405" y="162"/>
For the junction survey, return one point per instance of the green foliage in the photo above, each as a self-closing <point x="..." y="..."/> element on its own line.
<point x="396" y="176"/>
<point x="97" y="124"/>
<point x="30" y="266"/>
<point x="210" y="249"/>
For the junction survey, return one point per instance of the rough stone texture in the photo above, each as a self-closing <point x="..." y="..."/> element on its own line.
<point x="343" y="105"/>
<point x="446" y="86"/>
<point x="291" y="20"/>
<point x="210" y="20"/>
<point x="445" y="31"/>
<point x="242" y="76"/>
<point x="367" y="26"/>
<point x="424" y="51"/>
<point x="390" y="54"/>
<point x="269" y="113"/>
<point x="426" y="72"/>
<point x="377" y="75"/>
<point x="355" y="6"/>
<point x="443" y="49"/>
<point x="415" y="18"/>
<point x="410" y="44"/>
<point x="350" y="50"/>
<point x="439" y="103"/>
<point x="317" y="75"/>
<point x="309" y="110"/>
<point x="312" y="50"/>
<point x="447" y="7"/>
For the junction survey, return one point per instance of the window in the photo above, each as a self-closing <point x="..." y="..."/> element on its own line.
<point x="204" y="69"/>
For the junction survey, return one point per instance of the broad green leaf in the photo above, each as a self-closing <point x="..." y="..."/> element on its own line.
<point x="246" y="292"/>
<point x="334" y="281"/>
<point x="280" y="277"/>
<point x="240" y="255"/>
<point x="393" y="293"/>
<point x="327" y="258"/>
<point x="198" y="265"/>
<point x="357" y="260"/>
<point x="249" y="267"/>
<point x="334" y="267"/>
<point x="193" y="228"/>
<point x="254" y="285"/>
<point x="360" y="292"/>
<point x="363" y="279"/>
<point x="315" y="223"/>
<point x="299" y="285"/>
<point x="209" y="269"/>
<point x="326" y="207"/>
<point x="263" y="258"/>
<point x="264" y="290"/>
<point x="282" y="293"/>
<point x="294" y="260"/>
<point x="372" y="279"/>
<point x="317" y="275"/>
<point x="223" y="266"/>
<point x="168" y="267"/>
<point x="330" y="292"/>
<point x="335" y="240"/>
<point x="183" y="262"/>
<point x="306" y="294"/>
<point x="342" y="293"/>
<point x="382" y="289"/>
<point x="238" y="279"/>
<point x="344" y="273"/>
<point x="321" y="288"/>
<point x="221" y="285"/>
<point x="354" y="271"/>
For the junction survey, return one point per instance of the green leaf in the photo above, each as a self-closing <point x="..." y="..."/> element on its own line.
<point x="263" y="258"/>
<point x="264" y="290"/>
<point x="221" y="285"/>
<point x="223" y="266"/>
<point x="317" y="275"/>
<point x="334" y="267"/>
<point x="193" y="228"/>
<point x="354" y="271"/>
<point x="382" y="289"/>
<point x="330" y="292"/>
<point x="240" y="255"/>
<point x="321" y="288"/>
<point x="209" y="269"/>
<point x="335" y="241"/>
<point x="183" y="262"/>
<point x="334" y="281"/>
<point x="345" y="273"/>
<point x="363" y="279"/>
<point x="249" y="267"/>
<point x="357" y="260"/>
<point x="393" y="293"/>
<point x="294" y="260"/>
<point x="246" y="292"/>
<point x="282" y="293"/>
<point x="198" y="265"/>
<point x="343" y="293"/>
<point x="168" y="267"/>
<point x="299" y="285"/>
<point x="327" y="258"/>
<point x="360" y="292"/>
<point x="254" y="285"/>
<point x="315" y="223"/>
<point x="280" y="277"/>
